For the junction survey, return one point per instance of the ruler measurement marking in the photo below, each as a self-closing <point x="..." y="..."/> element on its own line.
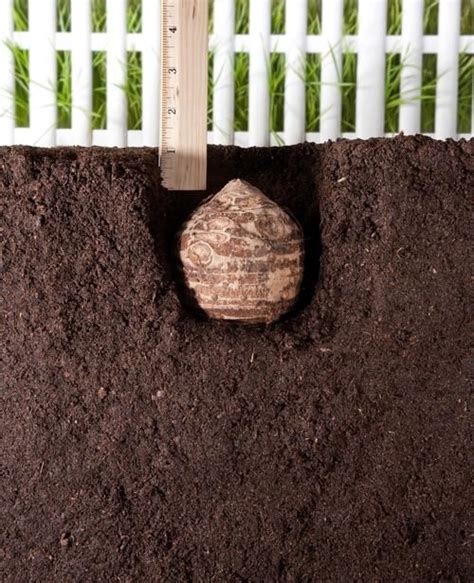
<point x="183" y="134"/>
<point x="168" y="130"/>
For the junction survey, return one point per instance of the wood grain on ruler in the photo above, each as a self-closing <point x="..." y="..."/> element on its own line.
<point x="183" y="144"/>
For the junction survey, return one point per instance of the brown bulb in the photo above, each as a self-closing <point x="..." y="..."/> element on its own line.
<point x="242" y="256"/>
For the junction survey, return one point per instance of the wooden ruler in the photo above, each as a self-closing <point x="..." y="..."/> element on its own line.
<point x="183" y="137"/>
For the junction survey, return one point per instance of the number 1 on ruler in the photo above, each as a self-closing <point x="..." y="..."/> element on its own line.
<point x="183" y="139"/>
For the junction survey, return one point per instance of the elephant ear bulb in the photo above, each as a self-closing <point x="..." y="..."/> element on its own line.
<point x="242" y="256"/>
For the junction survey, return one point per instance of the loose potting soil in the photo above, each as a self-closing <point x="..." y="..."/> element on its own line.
<point x="143" y="443"/>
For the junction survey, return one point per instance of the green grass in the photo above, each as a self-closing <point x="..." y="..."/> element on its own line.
<point x="277" y="66"/>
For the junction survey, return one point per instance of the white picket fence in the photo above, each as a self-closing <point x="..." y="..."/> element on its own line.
<point x="371" y="45"/>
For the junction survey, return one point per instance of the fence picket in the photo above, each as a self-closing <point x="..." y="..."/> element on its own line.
<point x="295" y="87"/>
<point x="370" y="96"/>
<point x="117" y="118"/>
<point x="43" y="108"/>
<point x="81" y="62"/>
<point x="371" y="44"/>
<point x="151" y="72"/>
<point x="223" y="73"/>
<point x="331" y="70"/>
<point x="446" y="116"/>
<point x="7" y="75"/>
<point x="259" y="98"/>
<point x="412" y="61"/>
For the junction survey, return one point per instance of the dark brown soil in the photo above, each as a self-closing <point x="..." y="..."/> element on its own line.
<point x="142" y="444"/>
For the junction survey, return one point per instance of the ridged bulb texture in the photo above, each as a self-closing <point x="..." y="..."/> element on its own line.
<point x="242" y="256"/>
